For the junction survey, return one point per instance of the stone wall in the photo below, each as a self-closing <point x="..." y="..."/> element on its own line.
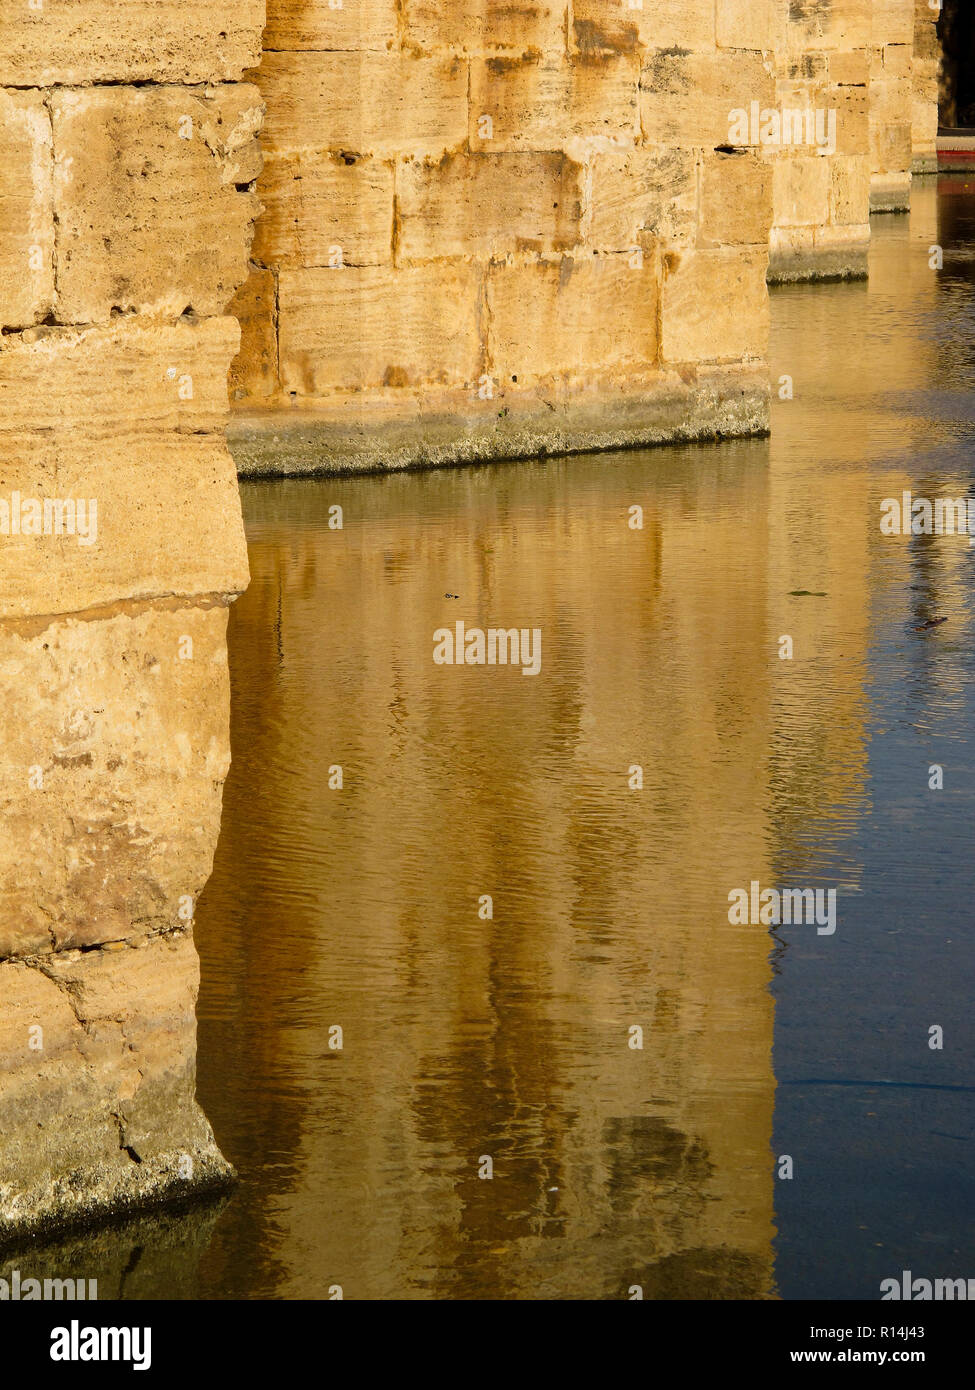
<point x="495" y="230"/>
<point x="822" y="185"/>
<point x="926" y="73"/>
<point x="126" y="211"/>
<point x="891" y="105"/>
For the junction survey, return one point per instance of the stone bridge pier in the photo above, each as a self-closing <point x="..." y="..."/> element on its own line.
<point x="126" y="212"/>
<point x="469" y="230"/>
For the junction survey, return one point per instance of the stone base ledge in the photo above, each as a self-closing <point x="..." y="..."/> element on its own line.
<point x="840" y="253"/>
<point x="101" y="1193"/>
<point x="890" y="193"/>
<point x="98" y="1112"/>
<point x="384" y="433"/>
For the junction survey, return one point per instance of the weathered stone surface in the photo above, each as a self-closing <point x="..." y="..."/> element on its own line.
<point x="566" y="316"/>
<point x="316" y="24"/>
<point x="688" y="98"/>
<point x="801" y="188"/>
<point x="736" y="200"/>
<point x="547" y="103"/>
<point x="891" y="104"/>
<point x="134" y="376"/>
<point x="66" y="43"/>
<point x="479" y="26"/>
<point x="119" y="430"/>
<point x="403" y="429"/>
<point x="715" y="306"/>
<point x="601" y="27"/>
<point x="26" y="210"/>
<point x="115" y="749"/>
<point x="757" y="24"/>
<point x="126" y="210"/>
<point x="893" y="21"/>
<point x="324" y="208"/>
<point x="849" y="190"/>
<point x="925" y="71"/>
<point x="254" y="371"/>
<point x="643" y="190"/>
<point x="98" y="1111"/>
<point x="484" y="204"/>
<point x="363" y="103"/>
<point x="134" y="170"/>
<point x="356" y="328"/>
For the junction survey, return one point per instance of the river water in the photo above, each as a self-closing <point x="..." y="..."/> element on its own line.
<point x="604" y="1085"/>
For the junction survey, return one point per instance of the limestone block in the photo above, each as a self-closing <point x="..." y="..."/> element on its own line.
<point x="642" y="190"/>
<point x="851" y="69"/>
<point x="484" y="26"/>
<point x="146" y="447"/>
<point x="371" y="327"/>
<point x="26" y="210"/>
<point x="363" y="103"/>
<point x="715" y="306"/>
<point x="801" y="187"/>
<point x="689" y="99"/>
<point x="893" y="21"/>
<point x="254" y="371"/>
<point x="588" y="314"/>
<point x="68" y="43"/>
<point x="101" y="1116"/>
<point x="538" y="103"/>
<point x="892" y="146"/>
<point x="835" y="26"/>
<point x="751" y="24"/>
<point x="132" y="376"/>
<point x="736" y="200"/>
<point x="898" y="60"/>
<point x="324" y="208"/>
<point x="616" y="26"/>
<point x="315" y="24"/>
<point x="927" y="45"/>
<point x="115" y="736"/>
<point x="849" y="195"/>
<point x="167" y="522"/>
<point x="852" y="107"/>
<point x="137" y="167"/>
<point x="488" y="204"/>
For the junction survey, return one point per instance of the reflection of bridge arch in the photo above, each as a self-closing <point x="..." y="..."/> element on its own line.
<point x="956" y="29"/>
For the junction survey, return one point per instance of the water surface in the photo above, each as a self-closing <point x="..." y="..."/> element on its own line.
<point x="511" y="1038"/>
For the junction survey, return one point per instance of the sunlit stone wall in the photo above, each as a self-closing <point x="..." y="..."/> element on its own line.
<point x="126" y="211"/>
<point x="495" y="229"/>
<point x="891" y="104"/>
<point x="927" y="69"/>
<point x="821" y="183"/>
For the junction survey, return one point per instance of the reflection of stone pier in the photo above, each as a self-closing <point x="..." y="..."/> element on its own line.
<point x="125" y="218"/>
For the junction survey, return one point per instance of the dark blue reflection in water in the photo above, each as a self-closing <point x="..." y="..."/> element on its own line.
<point x="881" y="1125"/>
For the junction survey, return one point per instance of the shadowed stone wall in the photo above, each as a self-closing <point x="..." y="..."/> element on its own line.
<point x="126" y="217"/>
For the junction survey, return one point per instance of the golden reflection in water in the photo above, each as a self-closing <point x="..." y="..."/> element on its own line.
<point x="507" y="1038"/>
<point x="463" y="1037"/>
